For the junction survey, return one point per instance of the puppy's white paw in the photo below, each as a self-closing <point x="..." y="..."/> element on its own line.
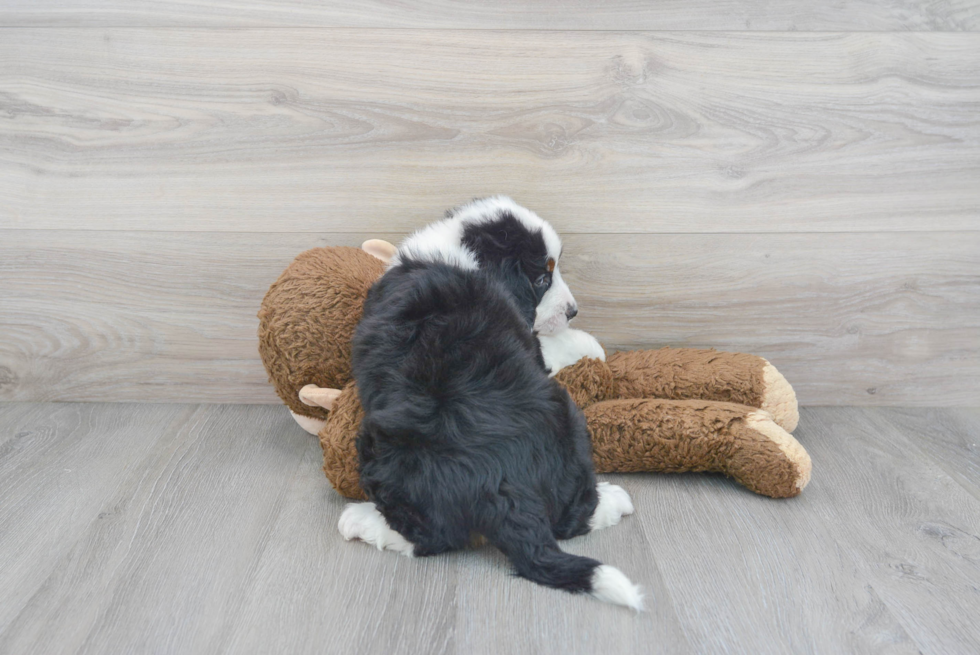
<point x="363" y="521"/>
<point x="614" y="503"/>
<point x="567" y="347"/>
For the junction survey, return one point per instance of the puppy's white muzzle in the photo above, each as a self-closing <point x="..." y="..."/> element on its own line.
<point x="556" y="309"/>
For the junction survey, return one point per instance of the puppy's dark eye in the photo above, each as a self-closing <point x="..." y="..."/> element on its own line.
<point x="542" y="281"/>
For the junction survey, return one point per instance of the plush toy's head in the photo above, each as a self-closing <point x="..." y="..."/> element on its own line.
<point x="308" y="318"/>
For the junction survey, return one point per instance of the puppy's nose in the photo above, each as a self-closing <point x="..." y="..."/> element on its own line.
<point x="571" y="312"/>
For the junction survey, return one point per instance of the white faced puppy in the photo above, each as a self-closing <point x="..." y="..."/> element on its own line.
<point x="464" y="432"/>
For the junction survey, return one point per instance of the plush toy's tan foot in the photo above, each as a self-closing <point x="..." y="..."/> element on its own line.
<point x="779" y="399"/>
<point x="688" y="373"/>
<point x="315" y="396"/>
<point x="308" y="423"/>
<point x="672" y="436"/>
<point x="759" y="425"/>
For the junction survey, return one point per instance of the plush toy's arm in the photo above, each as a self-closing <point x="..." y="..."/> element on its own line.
<point x="576" y="357"/>
<point x="671" y="436"/>
<point x="338" y="439"/>
<point x="687" y="373"/>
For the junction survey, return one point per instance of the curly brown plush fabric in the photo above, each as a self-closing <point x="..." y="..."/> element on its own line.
<point x="634" y="403"/>
<point x="680" y="373"/>
<point x="338" y="440"/>
<point x="672" y="436"/>
<point x="684" y="374"/>
<point x="307" y="320"/>
<point x="588" y="381"/>
<point x="630" y="436"/>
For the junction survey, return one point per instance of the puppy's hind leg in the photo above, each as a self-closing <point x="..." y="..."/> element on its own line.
<point x="614" y="503"/>
<point x="363" y="521"/>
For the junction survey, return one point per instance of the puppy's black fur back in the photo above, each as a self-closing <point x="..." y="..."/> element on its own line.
<point x="464" y="431"/>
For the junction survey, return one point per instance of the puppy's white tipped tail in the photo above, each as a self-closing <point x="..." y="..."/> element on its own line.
<point x="611" y="585"/>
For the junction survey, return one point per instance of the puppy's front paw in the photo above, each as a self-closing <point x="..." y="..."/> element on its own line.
<point x="567" y="347"/>
<point x="614" y="503"/>
<point x="363" y="521"/>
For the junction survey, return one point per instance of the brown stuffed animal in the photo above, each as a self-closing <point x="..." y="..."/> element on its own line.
<point x="667" y="410"/>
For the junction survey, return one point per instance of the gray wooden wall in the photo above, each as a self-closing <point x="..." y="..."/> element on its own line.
<point x="791" y="178"/>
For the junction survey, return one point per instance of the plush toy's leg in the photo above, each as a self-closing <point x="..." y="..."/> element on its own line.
<point x="588" y="381"/>
<point x="779" y="399"/>
<point x="688" y="373"/>
<point x="338" y="439"/>
<point x="670" y="436"/>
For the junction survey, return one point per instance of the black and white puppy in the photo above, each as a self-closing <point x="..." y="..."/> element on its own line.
<point x="464" y="432"/>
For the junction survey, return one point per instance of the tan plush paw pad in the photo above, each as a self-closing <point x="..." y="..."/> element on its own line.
<point x="315" y="396"/>
<point x="779" y="399"/>
<point x="777" y="477"/>
<point x="308" y="423"/>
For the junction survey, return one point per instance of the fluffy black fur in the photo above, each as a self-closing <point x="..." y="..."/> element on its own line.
<point x="464" y="432"/>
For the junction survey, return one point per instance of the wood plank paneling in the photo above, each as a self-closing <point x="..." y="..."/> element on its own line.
<point x="853" y="319"/>
<point x="380" y="130"/>
<point x="877" y="319"/>
<point x="803" y="15"/>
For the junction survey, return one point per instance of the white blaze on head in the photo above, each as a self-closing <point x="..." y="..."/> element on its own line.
<point x="552" y="313"/>
<point x="442" y="241"/>
<point x="437" y="242"/>
<point x="557" y="304"/>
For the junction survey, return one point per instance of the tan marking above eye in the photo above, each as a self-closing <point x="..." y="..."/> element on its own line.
<point x="550" y="265"/>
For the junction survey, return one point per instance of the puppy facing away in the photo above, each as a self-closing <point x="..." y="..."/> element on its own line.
<point x="464" y="432"/>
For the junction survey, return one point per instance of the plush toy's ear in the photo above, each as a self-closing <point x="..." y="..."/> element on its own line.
<point x="380" y="249"/>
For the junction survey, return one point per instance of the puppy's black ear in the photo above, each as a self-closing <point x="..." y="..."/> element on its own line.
<point x="490" y="243"/>
<point x="520" y="288"/>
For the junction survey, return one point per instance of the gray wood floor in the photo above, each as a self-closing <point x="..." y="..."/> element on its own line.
<point x="210" y="528"/>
